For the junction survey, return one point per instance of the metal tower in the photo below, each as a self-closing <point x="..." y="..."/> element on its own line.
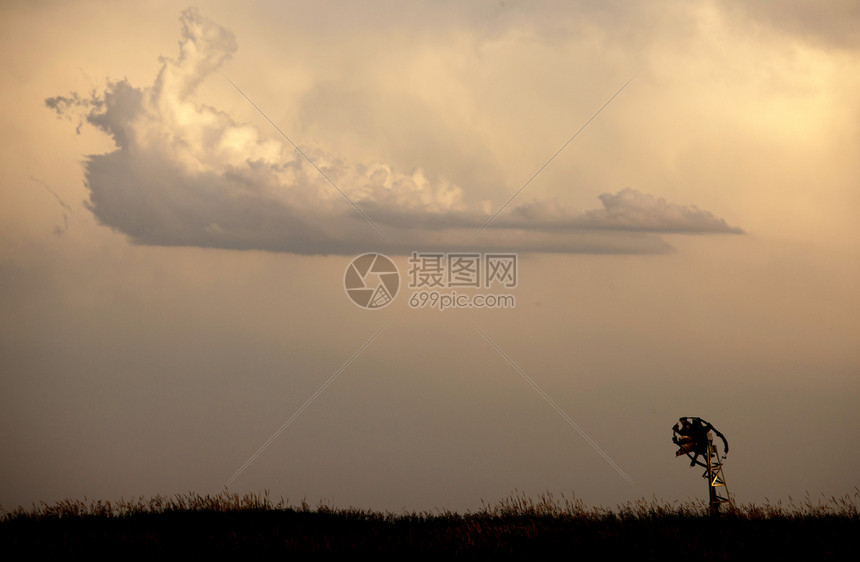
<point x="695" y="437"/>
<point x="716" y="479"/>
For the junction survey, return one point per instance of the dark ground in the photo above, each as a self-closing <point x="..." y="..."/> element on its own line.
<point x="289" y="531"/>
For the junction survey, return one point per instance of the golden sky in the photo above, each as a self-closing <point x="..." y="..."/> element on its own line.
<point x="172" y="266"/>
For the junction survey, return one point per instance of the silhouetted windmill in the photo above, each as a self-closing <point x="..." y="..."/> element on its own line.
<point x="694" y="438"/>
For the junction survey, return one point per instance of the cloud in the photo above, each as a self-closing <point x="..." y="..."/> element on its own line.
<point x="832" y="24"/>
<point x="628" y="210"/>
<point x="186" y="174"/>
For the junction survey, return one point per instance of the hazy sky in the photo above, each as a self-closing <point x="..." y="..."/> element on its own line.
<point x="172" y="266"/>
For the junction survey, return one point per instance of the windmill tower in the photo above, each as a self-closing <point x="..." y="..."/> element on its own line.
<point x="695" y="438"/>
<point x="716" y="479"/>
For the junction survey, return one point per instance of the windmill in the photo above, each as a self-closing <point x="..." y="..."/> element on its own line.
<point x="694" y="438"/>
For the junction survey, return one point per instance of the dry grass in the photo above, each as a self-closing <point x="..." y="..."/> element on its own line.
<point x="517" y="505"/>
<point x="253" y="524"/>
<point x="546" y="505"/>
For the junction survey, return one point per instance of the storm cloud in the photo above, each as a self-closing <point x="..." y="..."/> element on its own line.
<point x="187" y="174"/>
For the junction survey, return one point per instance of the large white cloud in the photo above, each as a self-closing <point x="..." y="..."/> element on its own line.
<point x="188" y="174"/>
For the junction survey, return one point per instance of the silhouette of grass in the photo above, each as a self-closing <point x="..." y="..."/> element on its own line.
<point x="517" y="525"/>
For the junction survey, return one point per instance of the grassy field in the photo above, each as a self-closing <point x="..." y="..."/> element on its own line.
<point x="517" y="526"/>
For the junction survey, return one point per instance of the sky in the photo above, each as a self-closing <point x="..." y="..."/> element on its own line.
<point x="184" y="190"/>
